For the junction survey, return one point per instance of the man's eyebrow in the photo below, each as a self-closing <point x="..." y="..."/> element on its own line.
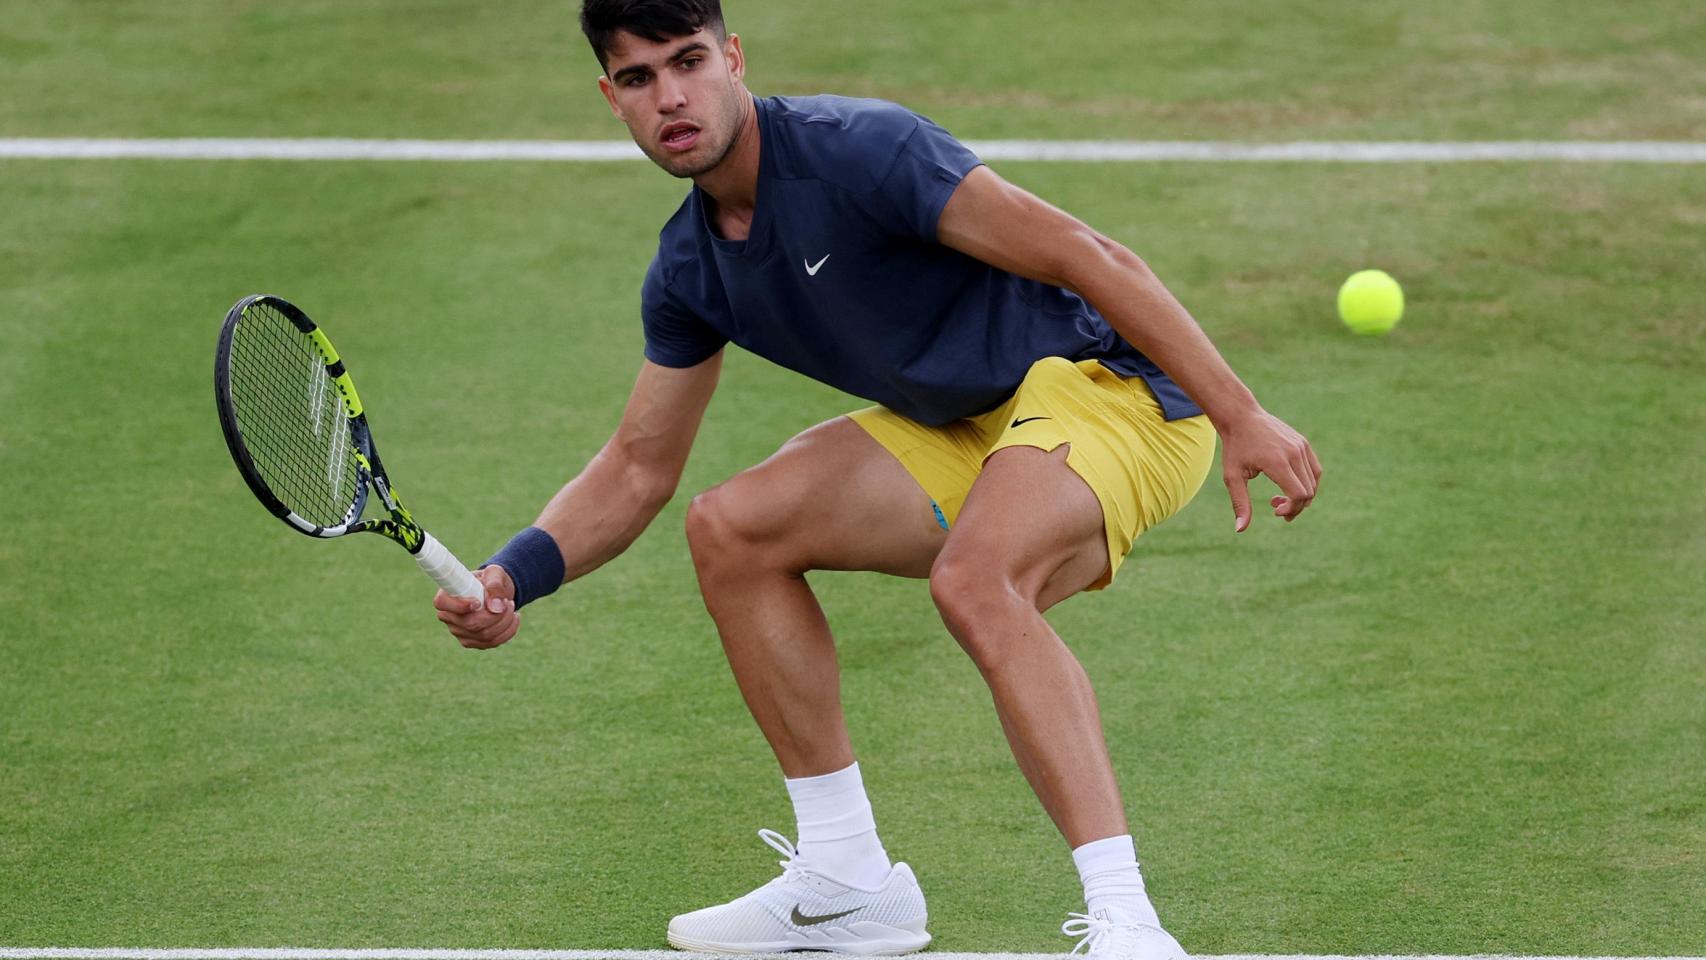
<point x="692" y="47"/>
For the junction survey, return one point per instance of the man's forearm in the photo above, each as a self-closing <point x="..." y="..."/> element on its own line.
<point x="1011" y="229"/>
<point x="601" y="512"/>
<point x="1140" y="308"/>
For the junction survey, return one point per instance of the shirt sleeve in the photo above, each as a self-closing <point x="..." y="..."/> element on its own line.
<point x="928" y="169"/>
<point x="675" y="336"/>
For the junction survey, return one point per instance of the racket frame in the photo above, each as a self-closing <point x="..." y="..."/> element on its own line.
<point x="400" y="525"/>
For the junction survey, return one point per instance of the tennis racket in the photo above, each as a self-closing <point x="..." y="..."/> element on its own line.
<point x="296" y="429"/>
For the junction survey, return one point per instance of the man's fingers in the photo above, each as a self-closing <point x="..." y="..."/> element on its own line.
<point x="489" y="635"/>
<point x="445" y="602"/>
<point x="486" y="640"/>
<point x="1295" y="505"/>
<point x="1306" y="472"/>
<point x="1283" y="508"/>
<point x="1266" y="446"/>
<point x="1238" y="488"/>
<point x="454" y="620"/>
<point x="496" y="581"/>
<point x="477" y="641"/>
<point x="477" y="622"/>
<point x="1297" y="492"/>
<point x="480" y="625"/>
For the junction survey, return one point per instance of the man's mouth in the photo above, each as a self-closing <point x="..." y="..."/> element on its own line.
<point x="679" y="137"/>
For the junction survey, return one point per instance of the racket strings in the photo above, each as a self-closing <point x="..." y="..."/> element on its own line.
<point x="292" y="418"/>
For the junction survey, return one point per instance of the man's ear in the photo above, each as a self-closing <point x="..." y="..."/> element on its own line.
<point x="736" y="56"/>
<point x="605" y="87"/>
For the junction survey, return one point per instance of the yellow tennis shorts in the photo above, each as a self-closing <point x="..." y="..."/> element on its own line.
<point x="1142" y="467"/>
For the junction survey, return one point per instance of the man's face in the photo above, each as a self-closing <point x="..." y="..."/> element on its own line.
<point x="681" y="99"/>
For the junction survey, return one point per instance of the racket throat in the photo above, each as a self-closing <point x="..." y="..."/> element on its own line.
<point x="403" y="532"/>
<point x="401" y="526"/>
<point x="385" y="496"/>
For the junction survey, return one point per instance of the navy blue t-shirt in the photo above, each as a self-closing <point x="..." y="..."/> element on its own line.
<point x="841" y="277"/>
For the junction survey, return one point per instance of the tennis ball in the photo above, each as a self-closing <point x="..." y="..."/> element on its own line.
<point x="1371" y="301"/>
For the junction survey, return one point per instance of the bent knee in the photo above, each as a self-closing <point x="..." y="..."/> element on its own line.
<point x="734" y="524"/>
<point x="716" y="518"/>
<point x="975" y="603"/>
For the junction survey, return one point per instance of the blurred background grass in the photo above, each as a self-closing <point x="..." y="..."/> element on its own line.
<point x="1273" y="69"/>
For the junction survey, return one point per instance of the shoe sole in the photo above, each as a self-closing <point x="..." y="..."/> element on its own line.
<point x="892" y="942"/>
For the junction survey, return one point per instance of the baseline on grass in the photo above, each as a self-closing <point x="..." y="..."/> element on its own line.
<point x="464" y="953"/>
<point x="297" y="431"/>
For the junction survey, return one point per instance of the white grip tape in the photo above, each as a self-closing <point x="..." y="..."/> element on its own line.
<point x="447" y="571"/>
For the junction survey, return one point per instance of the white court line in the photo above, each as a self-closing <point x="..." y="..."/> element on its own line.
<point x="1126" y="151"/>
<point x="303" y="953"/>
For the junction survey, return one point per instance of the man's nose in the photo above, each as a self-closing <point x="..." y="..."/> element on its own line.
<point x="672" y="95"/>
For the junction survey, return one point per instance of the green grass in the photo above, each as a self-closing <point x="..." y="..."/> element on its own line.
<point x="1460" y="708"/>
<point x="1276" y="69"/>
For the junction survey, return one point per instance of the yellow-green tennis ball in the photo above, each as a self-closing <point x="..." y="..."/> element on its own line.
<point x="1371" y="301"/>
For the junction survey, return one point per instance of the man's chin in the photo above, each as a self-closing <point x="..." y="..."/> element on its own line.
<point x="688" y="169"/>
<point x="683" y="166"/>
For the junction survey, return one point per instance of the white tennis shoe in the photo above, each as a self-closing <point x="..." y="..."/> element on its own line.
<point x="1111" y="936"/>
<point x="805" y="910"/>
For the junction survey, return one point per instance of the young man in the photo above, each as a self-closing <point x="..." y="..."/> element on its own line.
<point x="1025" y="434"/>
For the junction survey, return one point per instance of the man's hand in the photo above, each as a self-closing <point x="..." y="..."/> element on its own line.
<point x="1262" y="443"/>
<point x="482" y="627"/>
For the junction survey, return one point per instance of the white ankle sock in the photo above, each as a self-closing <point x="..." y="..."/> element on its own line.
<point x="1112" y="881"/>
<point x="838" y="834"/>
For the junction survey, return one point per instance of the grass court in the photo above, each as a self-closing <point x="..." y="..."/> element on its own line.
<point x="1459" y="708"/>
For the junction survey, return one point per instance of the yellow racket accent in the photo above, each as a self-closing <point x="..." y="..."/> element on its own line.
<point x="346" y="386"/>
<point x="327" y="351"/>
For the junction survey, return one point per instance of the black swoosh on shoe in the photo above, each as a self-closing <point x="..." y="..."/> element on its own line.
<point x="802" y="920"/>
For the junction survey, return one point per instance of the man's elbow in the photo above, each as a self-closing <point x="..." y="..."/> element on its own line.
<point x="630" y="476"/>
<point x="651" y="488"/>
<point x="1089" y="257"/>
<point x="657" y="496"/>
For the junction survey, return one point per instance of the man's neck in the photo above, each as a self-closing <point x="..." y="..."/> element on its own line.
<point x="733" y="184"/>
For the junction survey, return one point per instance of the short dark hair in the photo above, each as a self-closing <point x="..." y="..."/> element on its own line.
<point x="655" y="20"/>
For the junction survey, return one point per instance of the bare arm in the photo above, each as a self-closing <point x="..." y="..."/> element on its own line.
<point x="606" y="507"/>
<point x="1007" y="227"/>
<point x="599" y="513"/>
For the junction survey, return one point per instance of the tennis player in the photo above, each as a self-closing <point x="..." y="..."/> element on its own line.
<point x="1040" y="401"/>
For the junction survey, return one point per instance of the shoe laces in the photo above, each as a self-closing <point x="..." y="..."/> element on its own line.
<point x="792" y="864"/>
<point x="1096" y="930"/>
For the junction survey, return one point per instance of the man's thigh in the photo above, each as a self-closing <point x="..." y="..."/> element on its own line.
<point x="832" y="498"/>
<point x="1138" y="467"/>
<point x="1020" y="514"/>
<point x="1032" y="523"/>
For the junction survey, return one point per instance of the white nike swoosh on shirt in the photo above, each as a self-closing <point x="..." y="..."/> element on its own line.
<point x="811" y="268"/>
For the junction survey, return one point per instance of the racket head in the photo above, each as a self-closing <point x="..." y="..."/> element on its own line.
<point x="291" y="418"/>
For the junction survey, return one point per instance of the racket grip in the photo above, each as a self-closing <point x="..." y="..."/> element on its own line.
<point x="447" y="571"/>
